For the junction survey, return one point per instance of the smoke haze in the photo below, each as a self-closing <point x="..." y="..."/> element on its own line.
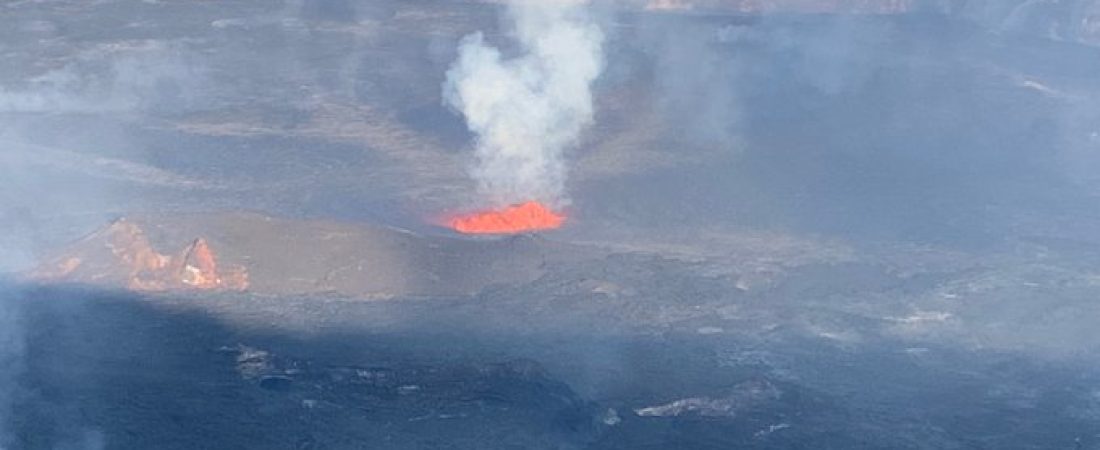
<point x="11" y="359"/>
<point x="780" y="189"/>
<point x="527" y="111"/>
<point x="63" y="165"/>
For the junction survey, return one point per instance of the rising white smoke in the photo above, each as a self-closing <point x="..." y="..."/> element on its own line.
<point x="528" y="110"/>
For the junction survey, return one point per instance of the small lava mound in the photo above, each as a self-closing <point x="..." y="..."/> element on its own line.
<point x="267" y="255"/>
<point x="122" y="254"/>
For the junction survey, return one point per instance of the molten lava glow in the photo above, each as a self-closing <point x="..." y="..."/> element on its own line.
<point x="529" y="216"/>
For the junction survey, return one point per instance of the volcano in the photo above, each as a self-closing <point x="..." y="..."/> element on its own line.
<point x="519" y="218"/>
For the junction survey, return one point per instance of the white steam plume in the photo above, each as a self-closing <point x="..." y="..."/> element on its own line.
<point x="528" y="110"/>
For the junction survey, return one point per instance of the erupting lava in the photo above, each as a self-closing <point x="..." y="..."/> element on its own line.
<point x="529" y="216"/>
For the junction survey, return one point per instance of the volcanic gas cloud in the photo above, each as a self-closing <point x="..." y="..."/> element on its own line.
<point x="526" y="111"/>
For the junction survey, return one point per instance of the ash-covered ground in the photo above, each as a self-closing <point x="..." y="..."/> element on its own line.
<point x="785" y="231"/>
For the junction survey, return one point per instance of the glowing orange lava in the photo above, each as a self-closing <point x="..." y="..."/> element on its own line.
<point x="529" y="216"/>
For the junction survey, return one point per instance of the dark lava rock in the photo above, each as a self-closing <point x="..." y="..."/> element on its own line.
<point x="276" y="383"/>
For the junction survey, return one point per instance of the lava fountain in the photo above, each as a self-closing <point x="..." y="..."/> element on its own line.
<point x="519" y="218"/>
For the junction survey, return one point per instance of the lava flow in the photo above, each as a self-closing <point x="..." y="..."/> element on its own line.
<point x="519" y="218"/>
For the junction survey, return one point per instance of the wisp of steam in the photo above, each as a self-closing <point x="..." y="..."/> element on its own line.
<point x="527" y="110"/>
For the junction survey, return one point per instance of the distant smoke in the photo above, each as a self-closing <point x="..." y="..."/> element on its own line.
<point x="528" y="110"/>
<point x="154" y="76"/>
<point x="60" y="158"/>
